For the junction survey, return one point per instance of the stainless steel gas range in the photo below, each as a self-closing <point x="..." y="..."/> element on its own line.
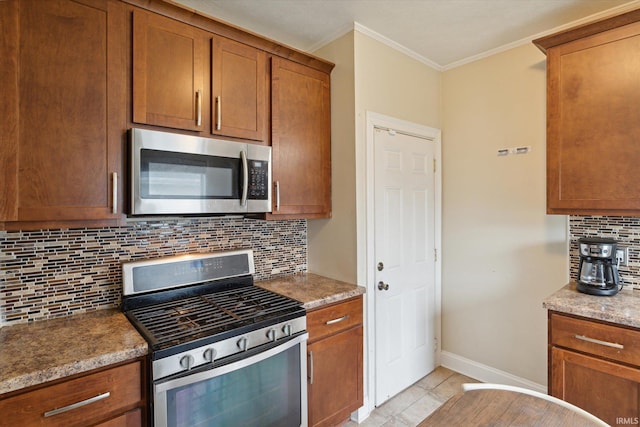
<point x="223" y="352"/>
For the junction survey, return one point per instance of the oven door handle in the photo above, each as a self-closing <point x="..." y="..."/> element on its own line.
<point x="245" y="178"/>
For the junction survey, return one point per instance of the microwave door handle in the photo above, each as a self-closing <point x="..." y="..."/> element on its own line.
<point x="245" y="178"/>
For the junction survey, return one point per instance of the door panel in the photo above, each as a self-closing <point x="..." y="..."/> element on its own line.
<point x="405" y="243"/>
<point x="301" y="140"/>
<point x="168" y="72"/>
<point x="239" y="90"/>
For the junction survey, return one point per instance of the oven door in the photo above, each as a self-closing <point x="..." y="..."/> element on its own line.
<point x="266" y="389"/>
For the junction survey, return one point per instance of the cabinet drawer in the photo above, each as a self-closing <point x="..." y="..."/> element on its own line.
<point x="130" y="419"/>
<point x="122" y="383"/>
<point x="335" y="318"/>
<point x="608" y="341"/>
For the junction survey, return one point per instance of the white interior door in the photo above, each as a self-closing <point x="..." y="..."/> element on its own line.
<point x="404" y="221"/>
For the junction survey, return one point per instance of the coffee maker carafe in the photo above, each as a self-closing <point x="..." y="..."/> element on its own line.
<point x="598" y="270"/>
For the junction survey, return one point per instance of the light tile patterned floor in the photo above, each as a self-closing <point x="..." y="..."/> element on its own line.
<point x="414" y="404"/>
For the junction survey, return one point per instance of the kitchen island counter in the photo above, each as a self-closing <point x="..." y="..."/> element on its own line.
<point x="311" y="289"/>
<point x="41" y="351"/>
<point x="622" y="308"/>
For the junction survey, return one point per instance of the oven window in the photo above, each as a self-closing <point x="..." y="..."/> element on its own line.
<point x="266" y="393"/>
<point x="169" y="175"/>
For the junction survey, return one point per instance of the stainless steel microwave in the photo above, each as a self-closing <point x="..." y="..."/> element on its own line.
<point x="174" y="174"/>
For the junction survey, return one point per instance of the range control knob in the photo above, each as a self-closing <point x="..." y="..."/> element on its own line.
<point x="287" y="329"/>
<point x="187" y="361"/>
<point x="242" y="343"/>
<point x="210" y="355"/>
<point x="271" y="334"/>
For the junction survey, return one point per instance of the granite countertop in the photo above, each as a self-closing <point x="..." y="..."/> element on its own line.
<point x="622" y="308"/>
<point x="311" y="289"/>
<point x="34" y="353"/>
<point x="42" y="351"/>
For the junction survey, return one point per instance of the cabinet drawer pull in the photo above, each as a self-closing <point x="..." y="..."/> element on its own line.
<point x="311" y="367"/>
<point x="331" y="322"/>
<point x="77" y="404"/>
<point x="595" y="341"/>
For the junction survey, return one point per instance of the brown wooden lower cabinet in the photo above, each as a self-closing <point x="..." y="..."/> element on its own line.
<point x="111" y="397"/>
<point x="130" y="419"/>
<point x="593" y="365"/>
<point x="335" y="362"/>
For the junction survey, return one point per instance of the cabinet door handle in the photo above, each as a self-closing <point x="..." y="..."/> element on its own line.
<point x="311" y="367"/>
<point x="198" y="107"/>
<point x="277" y="196"/>
<point x="77" y="404"/>
<point x="218" y="113"/>
<point x="595" y="341"/>
<point x="114" y="192"/>
<point x="331" y="322"/>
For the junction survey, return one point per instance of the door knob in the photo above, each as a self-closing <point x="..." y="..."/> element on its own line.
<point x="383" y="286"/>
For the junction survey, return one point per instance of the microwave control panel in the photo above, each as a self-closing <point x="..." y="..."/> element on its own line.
<point x="258" y="180"/>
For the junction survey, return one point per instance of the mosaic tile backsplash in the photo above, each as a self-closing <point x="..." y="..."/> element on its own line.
<point x="54" y="273"/>
<point x="626" y="230"/>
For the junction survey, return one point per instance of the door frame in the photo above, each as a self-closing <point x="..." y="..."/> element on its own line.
<point x="380" y="121"/>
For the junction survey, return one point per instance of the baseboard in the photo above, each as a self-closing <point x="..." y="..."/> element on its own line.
<point x="362" y="413"/>
<point x="485" y="373"/>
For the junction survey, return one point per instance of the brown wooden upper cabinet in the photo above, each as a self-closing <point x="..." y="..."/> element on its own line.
<point x="65" y="107"/>
<point x="301" y="140"/>
<point x="168" y="72"/>
<point x="171" y="86"/>
<point x="239" y="96"/>
<point x="593" y="123"/>
<point x="63" y="83"/>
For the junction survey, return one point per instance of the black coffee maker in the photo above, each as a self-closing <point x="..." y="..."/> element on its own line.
<point x="598" y="270"/>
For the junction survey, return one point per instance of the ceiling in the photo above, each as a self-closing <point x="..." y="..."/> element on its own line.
<point x="440" y="33"/>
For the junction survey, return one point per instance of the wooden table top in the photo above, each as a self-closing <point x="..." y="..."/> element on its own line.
<point x="502" y="408"/>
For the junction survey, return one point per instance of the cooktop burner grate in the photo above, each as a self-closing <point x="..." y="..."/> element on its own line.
<point x="188" y="319"/>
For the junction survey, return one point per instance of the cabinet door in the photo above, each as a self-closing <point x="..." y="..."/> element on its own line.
<point x="168" y="72"/>
<point x="607" y="390"/>
<point x="593" y="124"/>
<point x="239" y="95"/>
<point x="65" y="102"/>
<point x="335" y="377"/>
<point x="301" y="140"/>
<point x="130" y="419"/>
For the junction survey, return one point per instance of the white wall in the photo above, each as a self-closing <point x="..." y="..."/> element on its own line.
<point x="502" y="255"/>
<point x="368" y="76"/>
<point x="332" y="242"/>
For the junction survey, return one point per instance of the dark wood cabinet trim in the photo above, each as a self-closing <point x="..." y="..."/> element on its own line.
<point x="586" y="30"/>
